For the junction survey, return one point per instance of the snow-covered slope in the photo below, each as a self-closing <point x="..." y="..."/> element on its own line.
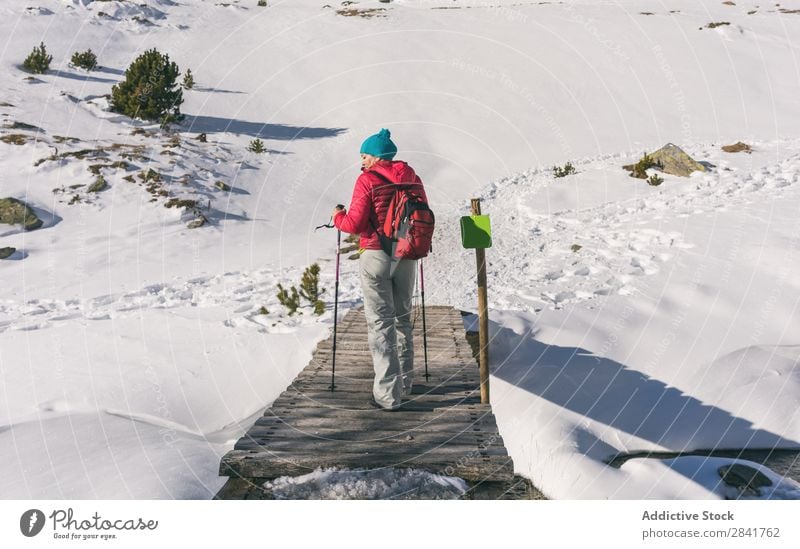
<point x="615" y="305"/>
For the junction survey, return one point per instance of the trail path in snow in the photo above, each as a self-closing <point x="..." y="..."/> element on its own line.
<point x="573" y="239"/>
<point x="623" y="233"/>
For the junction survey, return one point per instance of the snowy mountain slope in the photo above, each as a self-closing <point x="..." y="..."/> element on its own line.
<point x="471" y="94"/>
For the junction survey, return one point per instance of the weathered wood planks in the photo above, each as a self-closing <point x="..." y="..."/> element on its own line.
<point x="442" y="427"/>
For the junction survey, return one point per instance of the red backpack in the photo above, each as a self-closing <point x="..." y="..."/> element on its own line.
<point x="408" y="230"/>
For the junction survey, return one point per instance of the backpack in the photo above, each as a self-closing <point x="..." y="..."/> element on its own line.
<point x="408" y="229"/>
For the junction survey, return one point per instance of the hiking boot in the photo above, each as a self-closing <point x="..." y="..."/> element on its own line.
<point x="374" y="404"/>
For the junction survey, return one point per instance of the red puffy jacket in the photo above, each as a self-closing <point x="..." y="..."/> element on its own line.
<point x="370" y="202"/>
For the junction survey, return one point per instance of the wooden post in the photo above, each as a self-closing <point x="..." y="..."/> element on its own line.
<point x="483" y="315"/>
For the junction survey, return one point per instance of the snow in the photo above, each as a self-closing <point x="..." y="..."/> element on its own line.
<point x="624" y="317"/>
<point x="387" y="483"/>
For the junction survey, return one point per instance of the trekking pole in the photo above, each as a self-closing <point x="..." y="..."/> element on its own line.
<point x="424" y="325"/>
<point x="330" y="225"/>
<point x="336" y="305"/>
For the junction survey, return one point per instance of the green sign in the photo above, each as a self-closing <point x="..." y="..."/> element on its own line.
<point x="476" y="231"/>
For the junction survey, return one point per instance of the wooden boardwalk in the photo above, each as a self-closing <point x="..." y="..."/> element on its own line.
<point x="442" y="427"/>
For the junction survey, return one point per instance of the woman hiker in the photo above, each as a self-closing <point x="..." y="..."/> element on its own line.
<point x="388" y="284"/>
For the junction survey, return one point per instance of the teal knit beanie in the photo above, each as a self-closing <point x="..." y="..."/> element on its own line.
<point x="379" y="145"/>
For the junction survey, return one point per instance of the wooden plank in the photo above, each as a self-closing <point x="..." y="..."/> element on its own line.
<point x="466" y="414"/>
<point x="410" y="409"/>
<point x="443" y="432"/>
<point x="361" y="400"/>
<point x="359" y="341"/>
<point x="388" y="447"/>
<point x="434" y="355"/>
<point x="354" y="399"/>
<point x="483" y="424"/>
<point x="442" y="376"/>
<point x="235" y="488"/>
<point x="517" y="488"/>
<point x="351" y="384"/>
<point x="247" y="464"/>
<point x="438" y="379"/>
<point x="346" y="408"/>
<point x="378" y="430"/>
<point x="366" y="359"/>
<point x="361" y="453"/>
<point x="360" y="404"/>
<point x="365" y="364"/>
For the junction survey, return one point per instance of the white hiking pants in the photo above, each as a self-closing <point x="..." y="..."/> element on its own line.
<point x="388" y="288"/>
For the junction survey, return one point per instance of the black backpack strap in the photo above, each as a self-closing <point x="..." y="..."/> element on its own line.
<point x="387" y="244"/>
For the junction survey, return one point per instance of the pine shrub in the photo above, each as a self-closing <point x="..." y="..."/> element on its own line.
<point x="654" y="180"/>
<point x="309" y="285"/>
<point x="319" y="308"/>
<point x="645" y="163"/>
<point x="38" y="61"/>
<point x="289" y="300"/>
<point x="256" y="146"/>
<point x="568" y="169"/>
<point x="84" y="60"/>
<point x="188" y="80"/>
<point x="262" y="3"/>
<point x="149" y="91"/>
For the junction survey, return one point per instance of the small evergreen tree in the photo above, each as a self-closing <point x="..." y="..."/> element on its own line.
<point x="188" y="80"/>
<point x="654" y="180"/>
<point x="150" y="90"/>
<point x="319" y="307"/>
<point x="568" y="169"/>
<point x="256" y="146"/>
<point x="38" y="61"/>
<point x="290" y="301"/>
<point x="84" y="60"/>
<point x="262" y="3"/>
<point x="644" y="164"/>
<point x="309" y="285"/>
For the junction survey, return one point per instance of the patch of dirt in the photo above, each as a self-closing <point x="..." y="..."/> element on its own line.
<point x="14" y="139"/>
<point x="365" y="12"/>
